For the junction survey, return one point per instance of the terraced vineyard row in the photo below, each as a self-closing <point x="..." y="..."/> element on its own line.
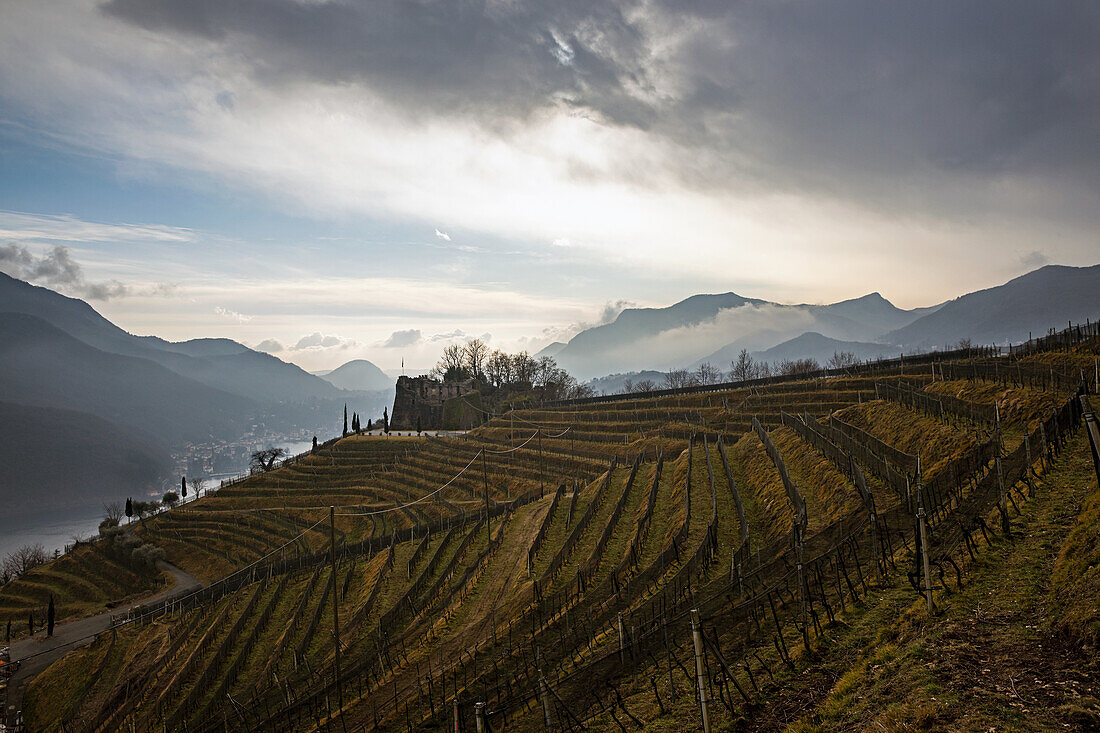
<point x="547" y="563"/>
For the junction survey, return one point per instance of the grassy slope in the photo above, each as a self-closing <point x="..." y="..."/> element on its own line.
<point x="992" y="660"/>
<point x="892" y="622"/>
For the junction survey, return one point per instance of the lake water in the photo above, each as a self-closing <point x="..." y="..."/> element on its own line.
<point x="55" y="529"/>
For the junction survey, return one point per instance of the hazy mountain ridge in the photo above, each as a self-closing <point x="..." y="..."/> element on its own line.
<point x="715" y="329"/>
<point x="43" y="366"/>
<point x="72" y="459"/>
<point x="812" y="345"/>
<point x="150" y="396"/>
<point x="1045" y="298"/>
<point x="219" y="363"/>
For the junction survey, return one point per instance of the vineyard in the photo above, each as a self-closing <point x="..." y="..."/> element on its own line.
<point x="677" y="560"/>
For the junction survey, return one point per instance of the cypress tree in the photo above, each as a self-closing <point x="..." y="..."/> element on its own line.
<point x="129" y="508"/>
<point x="385" y="420"/>
<point x="370" y="425"/>
<point x="50" y="617"/>
<point x="345" y="419"/>
<point x="183" y="486"/>
<point x="314" y="444"/>
<point x="418" y="424"/>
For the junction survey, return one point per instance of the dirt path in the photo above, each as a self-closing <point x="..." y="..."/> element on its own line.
<point x="506" y="579"/>
<point x="37" y="653"/>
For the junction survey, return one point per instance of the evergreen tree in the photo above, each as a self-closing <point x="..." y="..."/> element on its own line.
<point x="314" y="444"/>
<point x="385" y="420"/>
<point x="345" y="420"/>
<point x="183" y="486"/>
<point x="50" y="617"/>
<point x="418" y="424"/>
<point x="370" y="425"/>
<point x="129" y="508"/>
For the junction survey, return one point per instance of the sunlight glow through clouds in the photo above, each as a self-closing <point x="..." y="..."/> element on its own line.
<point x="573" y="154"/>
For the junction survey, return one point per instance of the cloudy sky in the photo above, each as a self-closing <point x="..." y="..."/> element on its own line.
<point x="334" y="179"/>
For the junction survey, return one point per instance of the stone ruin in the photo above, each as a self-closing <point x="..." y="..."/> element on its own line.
<point x="424" y="397"/>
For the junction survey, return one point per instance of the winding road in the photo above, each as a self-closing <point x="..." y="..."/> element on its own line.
<point x="37" y="653"/>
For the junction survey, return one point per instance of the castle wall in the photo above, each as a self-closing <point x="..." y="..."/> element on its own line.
<point x="423" y="397"/>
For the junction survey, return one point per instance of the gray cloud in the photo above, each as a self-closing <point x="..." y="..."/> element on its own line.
<point x="612" y="309"/>
<point x="864" y="100"/>
<point x="270" y="346"/>
<point x="56" y="269"/>
<point x="317" y="340"/>
<point x="402" y="338"/>
<point x="1034" y="260"/>
<point x="608" y="313"/>
<point x="455" y="334"/>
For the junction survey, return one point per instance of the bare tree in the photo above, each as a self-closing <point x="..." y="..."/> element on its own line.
<point x="842" y="360"/>
<point x="676" y="378"/>
<point x="264" y="460"/>
<point x="112" y="514"/>
<point x="628" y="386"/>
<point x="523" y="368"/>
<point x="743" y="368"/>
<point x="644" y="386"/>
<point x="198" y="486"/>
<point x="789" y="367"/>
<point x="450" y="366"/>
<point x="23" y="559"/>
<point x="707" y="373"/>
<point x="474" y="355"/>
<point x="498" y="368"/>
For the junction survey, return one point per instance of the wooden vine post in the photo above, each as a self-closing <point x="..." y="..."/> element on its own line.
<point x="335" y="604"/>
<point x="924" y="555"/>
<point x="544" y="693"/>
<point x="572" y="453"/>
<point x="485" y="481"/>
<point x="700" y="673"/>
<point x="621" y="641"/>
<point x="802" y="589"/>
<point x="1002" y="500"/>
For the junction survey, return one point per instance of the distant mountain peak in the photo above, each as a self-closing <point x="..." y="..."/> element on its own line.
<point x="358" y="375"/>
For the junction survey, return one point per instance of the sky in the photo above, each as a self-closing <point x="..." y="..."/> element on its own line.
<point x="329" y="179"/>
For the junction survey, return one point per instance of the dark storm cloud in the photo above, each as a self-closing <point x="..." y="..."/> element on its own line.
<point x="878" y="102"/>
<point x="459" y="56"/>
<point x="57" y="269"/>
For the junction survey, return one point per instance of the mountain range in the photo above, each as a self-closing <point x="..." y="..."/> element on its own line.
<point x="715" y="328"/>
<point x="64" y="368"/>
<point x="90" y="412"/>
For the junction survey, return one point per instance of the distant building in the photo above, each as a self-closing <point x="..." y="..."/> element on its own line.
<point x="424" y="397"/>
